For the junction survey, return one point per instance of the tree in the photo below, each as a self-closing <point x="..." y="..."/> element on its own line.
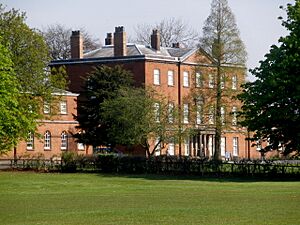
<point x="57" y="37"/>
<point x="103" y="83"/>
<point x="221" y="39"/>
<point x="140" y="117"/>
<point x="29" y="56"/>
<point x="171" y="31"/>
<point x="13" y="117"/>
<point x="271" y="103"/>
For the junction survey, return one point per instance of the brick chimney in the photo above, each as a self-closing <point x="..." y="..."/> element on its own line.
<point x="120" y="42"/>
<point x="109" y="40"/>
<point x="155" y="40"/>
<point x="176" y="45"/>
<point x="76" y="45"/>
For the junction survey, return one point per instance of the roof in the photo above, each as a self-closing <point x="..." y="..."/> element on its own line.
<point x="143" y="50"/>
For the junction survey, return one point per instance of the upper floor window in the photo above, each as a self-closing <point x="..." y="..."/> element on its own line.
<point x="234" y="82"/>
<point x="64" y="140"/>
<point x="156" y="77"/>
<point x="46" y="108"/>
<point x="223" y="115"/>
<point x="211" y="81"/>
<point x="185" y="113"/>
<point x="222" y="81"/>
<point x="30" y="141"/>
<point x="157" y="112"/>
<point x="185" y="79"/>
<point x="63" y="107"/>
<point x="234" y="115"/>
<point x="198" y="79"/>
<point x="211" y="115"/>
<point x="171" y="112"/>
<point x="171" y="78"/>
<point x="47" y="140"/>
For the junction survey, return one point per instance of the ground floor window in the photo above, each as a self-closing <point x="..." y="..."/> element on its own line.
<point x="235" y="145"/>
<point x="47" y="140"/>
<point x="30" y="141"/>
<point x="64" y="141"/>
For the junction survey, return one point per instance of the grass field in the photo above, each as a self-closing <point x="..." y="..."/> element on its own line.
<point x="32" y="198"/>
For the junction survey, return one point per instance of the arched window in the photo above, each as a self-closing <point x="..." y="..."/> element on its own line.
<point x="47" y="140"/>
<point x="64" y="140"/>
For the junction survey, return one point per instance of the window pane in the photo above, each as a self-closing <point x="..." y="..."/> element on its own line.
<point x="46" y="108"/>
<point x="156" y="75"/>
<point x="171" y="113"/>
<point x="30" y="141"/>
<point x="64" y="141"/>
<point x="63" y="107"/>
<point x="157" y="112"/>
<point x="235" y="142"/>
<point x="185" y="79"/>
<point x="185" y="113"/>
<point x="234" y="115"/>
<point x="211" y="81"/>
<point x="234" y="82"/>
<point x="170" y="78"/>
<point x="47" y="140"/>
<point x="198" y="79"/>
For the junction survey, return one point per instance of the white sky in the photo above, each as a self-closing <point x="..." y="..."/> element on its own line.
<point x="256" y="19"/>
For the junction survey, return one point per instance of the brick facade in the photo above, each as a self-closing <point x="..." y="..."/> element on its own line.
<point x="184" y="64"/>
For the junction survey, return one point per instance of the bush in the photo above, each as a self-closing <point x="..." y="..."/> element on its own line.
<point x="69" y="162"/>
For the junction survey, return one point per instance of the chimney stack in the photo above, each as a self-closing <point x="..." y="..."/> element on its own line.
<point x="120" y="43"/>
<point x="155" y="40"/>
<point x="109" y="39"/>
<point x="176" y="45"/>
<point x="76" y="45"/>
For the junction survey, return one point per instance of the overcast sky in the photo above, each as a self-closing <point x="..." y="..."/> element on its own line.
<point x="256" y="19"/>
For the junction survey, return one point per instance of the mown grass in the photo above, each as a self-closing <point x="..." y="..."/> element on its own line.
<point x="36" y="198"/>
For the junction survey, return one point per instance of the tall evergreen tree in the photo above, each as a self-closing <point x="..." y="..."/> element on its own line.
<point x="102" y="84"/>
<point x="222" y="41"/>
<point x="272" y="102"/>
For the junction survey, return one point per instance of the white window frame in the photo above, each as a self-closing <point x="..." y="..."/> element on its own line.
<point x="80" y="146"/>
<point x="185" y="113"/>
<point x="156" y="77"/>
<point x="222" y="81"/>
<point x="186" y="80"/>
<point x="211" y="115"/>
<point x="156" y="112"/>
<point x="171" y="112"/>
<point x="223" y="115"/>
<point x="170" y="78"/>
<point x="171" y="148"/>
<point x="234" y="116"/>
<point x="30" y="141"/>
<point x="234" y="82"/>
<point x="235" y="146"/>
<point x="198" y="114"/>
<point x="198" y="79"/>
<point x="46" y="108"/>
<point x="47" y="140"/>
<point x="187" y="146"/>
<point x="211" y="81"/>
<point x="158" y="149"/>
<point x="63" y="107"/>
<point x="223" y="146"/>
<point x="64" y="140"/>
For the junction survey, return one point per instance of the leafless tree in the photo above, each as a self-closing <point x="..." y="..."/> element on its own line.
<point x="172" y="30"/>
<point x="57" y="37"/>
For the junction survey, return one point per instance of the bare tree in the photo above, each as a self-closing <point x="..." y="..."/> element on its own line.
<point x="57" y="37"/>
<point x="221" y="39"/>
<point x="171" y="30"/>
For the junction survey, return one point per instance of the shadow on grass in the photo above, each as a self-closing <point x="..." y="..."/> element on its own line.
<point x="220" y="179"/>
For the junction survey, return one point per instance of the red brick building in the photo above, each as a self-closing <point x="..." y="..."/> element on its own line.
<point x="177" y="73"/>
<point x="54" y="133"/>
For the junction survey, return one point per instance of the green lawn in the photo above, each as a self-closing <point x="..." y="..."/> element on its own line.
<point x="32" y="198"/>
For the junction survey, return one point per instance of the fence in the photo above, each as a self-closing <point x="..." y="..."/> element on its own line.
<point x="157" y="165"/>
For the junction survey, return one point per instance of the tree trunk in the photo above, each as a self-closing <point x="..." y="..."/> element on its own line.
<point x="217" y="153"/>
